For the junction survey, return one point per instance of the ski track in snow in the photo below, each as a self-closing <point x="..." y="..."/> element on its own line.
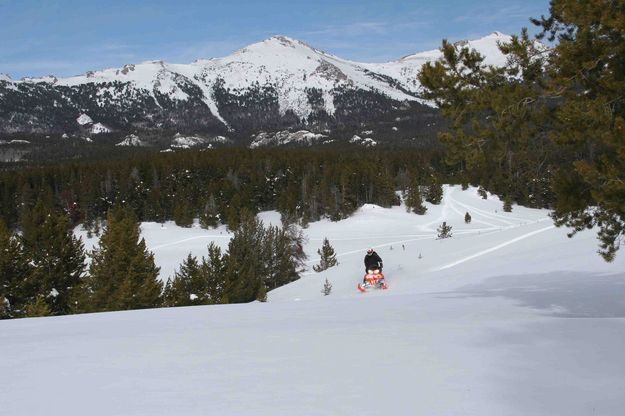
<point x="491" y="249"/>
<point x="184" y="240"/>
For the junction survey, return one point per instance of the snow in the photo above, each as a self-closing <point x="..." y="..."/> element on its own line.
<point x="366" y="141"/>
<point x="15" y="141"/>
<point x="132" y="140"/>
<point x="84" y="119"/>
<point x="507" y="317"/>
<point x="99" y="128"/>
<point x="285" y="137"/>
<point x="186" y="142"/>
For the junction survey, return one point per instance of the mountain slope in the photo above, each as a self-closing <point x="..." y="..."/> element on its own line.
<point x="274" y="84"/>
<point x="508" y="317"/>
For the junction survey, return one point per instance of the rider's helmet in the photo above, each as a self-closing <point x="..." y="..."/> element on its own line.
<point x="369" y="251"/>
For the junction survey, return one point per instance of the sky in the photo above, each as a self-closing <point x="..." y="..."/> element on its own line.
<point x="70" y="37"/>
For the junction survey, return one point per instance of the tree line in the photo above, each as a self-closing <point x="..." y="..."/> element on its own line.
<point x="217" y="185"/>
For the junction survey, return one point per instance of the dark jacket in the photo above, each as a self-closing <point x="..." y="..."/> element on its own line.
<point x="373" y="261"/>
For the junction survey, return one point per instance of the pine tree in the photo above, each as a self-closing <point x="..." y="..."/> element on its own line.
<point x="233" y="213"/>
<point x="482" y="192"/>
<point x="209" y="216"/>
<point x="467" y="218"/>
<point x="328" y="257"/>
<point x="213" y="267"/>
<point x="444" y="231"/>
<point x="261" y="296"/>
<point x="37" y="307"/>
<point x="434" y="193"/>
<point x="188" y="286"/>
<point x="183" y="213"/>
<point x="244" y="267"/>
<point x="122" y="274"/>
<point x="13" y="270"/>
<point x="414" y="201"/>
<point x="551" y="113"/>
<point x="507" y="204"/>
<point x="327" y="288"/>
<point x="55" y="256"/>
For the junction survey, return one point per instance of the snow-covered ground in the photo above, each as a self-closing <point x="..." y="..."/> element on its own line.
<point x="507" y="317"/>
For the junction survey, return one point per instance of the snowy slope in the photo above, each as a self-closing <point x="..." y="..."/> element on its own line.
<point x="406" y="69"/>
<point x="508" y="317"/>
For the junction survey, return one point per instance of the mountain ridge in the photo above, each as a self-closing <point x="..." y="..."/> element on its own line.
<point x="278" y="83"/>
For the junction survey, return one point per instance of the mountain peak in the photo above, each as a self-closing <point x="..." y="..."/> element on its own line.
<point x="282" y="39"/>
<point x="497" y="34"/>
<point x="278" y="42"/>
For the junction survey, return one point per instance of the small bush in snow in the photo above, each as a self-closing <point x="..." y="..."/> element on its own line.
<point x="328" y="257"/>
<point x="467" y="218"/>
<point x="327" y="288"/>
<point x="444" y="231"/>
<point x="507" y="204"/>
<point x="482" y="192"/>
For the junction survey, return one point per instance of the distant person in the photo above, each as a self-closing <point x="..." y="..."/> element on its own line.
<point x="372" y="261"/>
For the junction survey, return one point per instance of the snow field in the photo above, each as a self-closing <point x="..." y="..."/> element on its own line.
<point x="507" y="317"/>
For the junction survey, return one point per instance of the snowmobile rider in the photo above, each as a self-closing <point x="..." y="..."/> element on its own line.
<point x="372" y="261"/>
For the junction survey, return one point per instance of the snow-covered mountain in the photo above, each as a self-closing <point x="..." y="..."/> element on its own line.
<point x="274" y="84"/>
<point x="507" y="317"/>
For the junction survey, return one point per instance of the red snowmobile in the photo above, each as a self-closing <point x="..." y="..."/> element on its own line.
<point x="373" y="279"/>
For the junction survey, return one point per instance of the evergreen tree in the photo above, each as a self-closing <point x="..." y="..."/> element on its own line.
<point x="213" y="267"/>
<point x="209" y="216"/>
<point x="244" y="268"/>
<point x="183" y="213"/>
<point x="188" y="286"/>
<point x="414" y="201"/>
<point x="467" y="218"/>
<point x="328" y="257"/>
<point x="482" y="192"/>
<point x="444" y="231"/>
<point x="13" y="270"/>
<point x="327" y="288"/>
<point x="37" y="307"/>
<point x="507" y="204"/>
<point x="55" y="256"/>
<point x="122" y="274"/>
<point x="551" y="122"/>
<point x="434" y="193"/>
<point x="261" y="296"/>
<point x="197" y="283"/>
<point x="233" y="213"/>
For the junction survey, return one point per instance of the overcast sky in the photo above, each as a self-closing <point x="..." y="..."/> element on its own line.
<point x="69" y="37"/>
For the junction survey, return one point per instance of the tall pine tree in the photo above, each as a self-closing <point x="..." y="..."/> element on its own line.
<point x="55" y="256"/>
<point x="122" y="274"/>
<point x="13" y="268"/>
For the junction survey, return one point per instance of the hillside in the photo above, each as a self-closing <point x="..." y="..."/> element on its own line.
<point x="507" y="317"/>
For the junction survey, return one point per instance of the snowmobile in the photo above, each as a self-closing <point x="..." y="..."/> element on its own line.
<point x="373" y="279"/>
